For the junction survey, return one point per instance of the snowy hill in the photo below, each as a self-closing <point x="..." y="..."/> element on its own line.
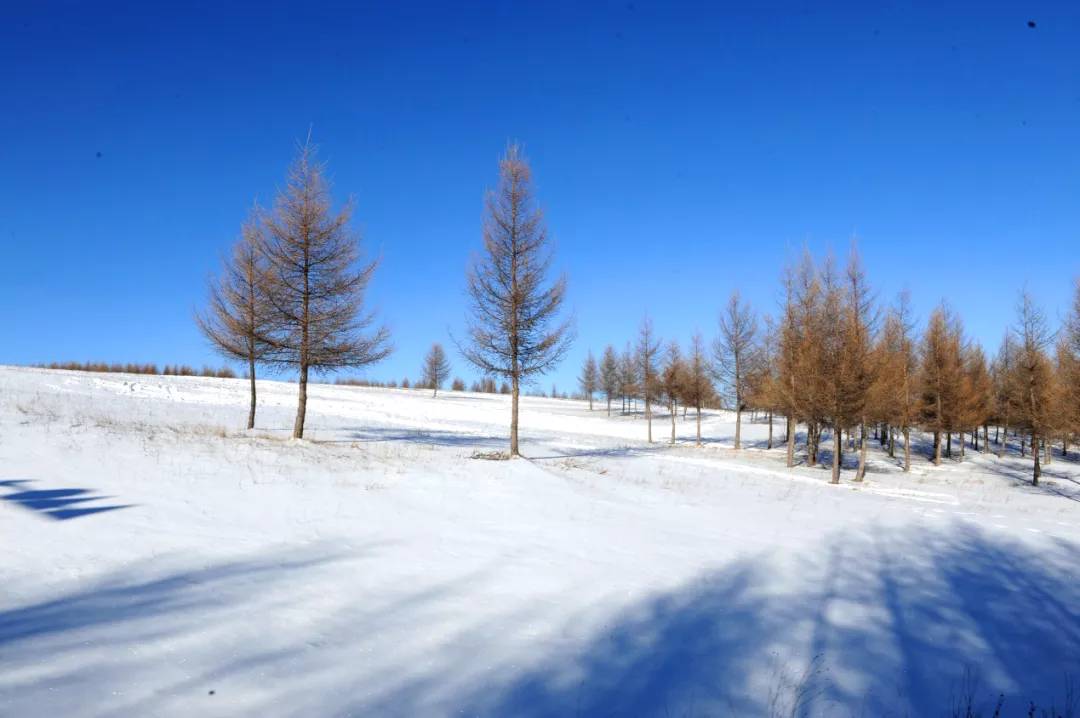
<point x="160" y="561"/>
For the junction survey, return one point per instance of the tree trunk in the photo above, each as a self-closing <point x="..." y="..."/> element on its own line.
<point x="301" y="407"/>
<point x="515" y="390"/>
<point x="648" y="416"/>
<point x="790" y="440"/>
<point x="937" y="448"/>
<point x="590" y="401"/>
<point x="674" y="411"/>
<point x="251" y="373"/>
<point x="699" y="424"/>
<point x="838" y="442"/>
<point x="609" y="406"/>
<point x="963" y="445"/>
<point x="1035" y="455"/>
<point x="738" y="425"/>
<point x="770" y="430"/>
<point x="892" y="442"/>
<point x="861" y="472"/>
<point x="907" y="449"/>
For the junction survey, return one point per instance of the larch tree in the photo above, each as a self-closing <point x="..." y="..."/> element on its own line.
<point x="648" y="349"/>
<point x="940" y="376"/>
<point x="436" y="368"/>
<point x="236" y="320"/>
<point x="697" y="382"/>
<point x="734" y="351"/>
<point x="978" y="396"/>
<point x="316" y="282"/>
<point x="857" y="342"/>
<point x="514" y="327"/>
<point x="894" y="391"/>
<point x="609" y="375"/>
<point x="831" y="336"/>
<point x="628" y="377"/>
<point x="671" y="381"/>
<point x="764" y="379"/>
<point x="1035" y="376"/>
<point x="1003" y="376"/>
<point x="589" y="379"/>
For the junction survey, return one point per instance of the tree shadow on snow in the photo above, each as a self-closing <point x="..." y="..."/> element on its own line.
<point x="897" y="620"/>
<point x="56" y="504"/>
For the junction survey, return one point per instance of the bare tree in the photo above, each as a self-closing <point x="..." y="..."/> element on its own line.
<point x="609" y="375"/>
<point x="734" y="351"/>
<point x="628" y="378"/>
<point x="436" y="368"/>
<point x="1035" y="376"/>
<point x="513" y="327"/>
<point x="316" y="282"/>
<point x="235" y="320"/>
<point x="671" y="381"/>
<point x="590" y="378"/>
<point x="647" y="349"/>
<point x="697" y="385"/>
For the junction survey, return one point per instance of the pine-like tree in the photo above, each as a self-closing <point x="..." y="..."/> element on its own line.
<point x="316" y="283"/>
<point x="697" y="384"/>
<point x="514" y="329"/>
<point x="609" y="375"/>
<point x="735" y="351"/>
<point x="436" y="368"/>
<point x="648" y="348"/>
<point x="589" y="379"/>
<point x="237" y="320"/>
<point x="671" y="381"/>
<point x="1035" y="377"/>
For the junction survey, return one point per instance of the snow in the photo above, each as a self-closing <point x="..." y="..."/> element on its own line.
<point x="158" y="560"/>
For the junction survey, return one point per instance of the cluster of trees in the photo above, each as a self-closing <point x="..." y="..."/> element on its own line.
<point x="130" y="368"/>
<point x="291" y="296"/>
<point x="841" y="366"/>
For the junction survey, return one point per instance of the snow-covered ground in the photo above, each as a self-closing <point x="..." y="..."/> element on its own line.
<point x="157" y="560"/>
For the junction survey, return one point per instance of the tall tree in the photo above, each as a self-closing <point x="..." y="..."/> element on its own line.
<point x="514" y="328"/>
<point x="697" y="384"/>
<point x="859" y="368"/>
<point x="236" y="320"/>
<point x="648" y="347"/>
<point x="940" y="376"/>
<point x="590" y="378"/>
<point x="1003" y="375"/>
<point x="734" y="351"/>
<point x="978" y="395"/>
<point x="628" y="377"/>
<point x="609" y="375"/>
<point x="893" y="395"/>
<point x="671" y="381"/>
<point x="316" y="282"/>
<point x="1035" y="376"/>
<point x="436" y="368"/>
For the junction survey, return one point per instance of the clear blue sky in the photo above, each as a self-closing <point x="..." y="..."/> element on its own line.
<point x="680" y="151"/>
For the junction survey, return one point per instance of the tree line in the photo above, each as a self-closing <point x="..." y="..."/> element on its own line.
<point x="147" y="368"/>
<point x="838" y="364"/>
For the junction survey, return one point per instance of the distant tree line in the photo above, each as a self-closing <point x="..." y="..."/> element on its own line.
<point x="129" y="368"/>
<point x="849" y="370"/>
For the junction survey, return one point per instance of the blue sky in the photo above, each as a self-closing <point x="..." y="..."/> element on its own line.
<point x="680" y="150"/>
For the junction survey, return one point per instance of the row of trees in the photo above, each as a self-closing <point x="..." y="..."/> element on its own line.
<point x="832" y="360"/>
<point x="836" y="363"/>
<point x="132" y="368"/>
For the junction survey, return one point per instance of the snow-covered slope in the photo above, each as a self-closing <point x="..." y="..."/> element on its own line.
<point x="159" y="561"/>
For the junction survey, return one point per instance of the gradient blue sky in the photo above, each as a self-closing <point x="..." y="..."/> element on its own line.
<point x="680" y="150"/>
